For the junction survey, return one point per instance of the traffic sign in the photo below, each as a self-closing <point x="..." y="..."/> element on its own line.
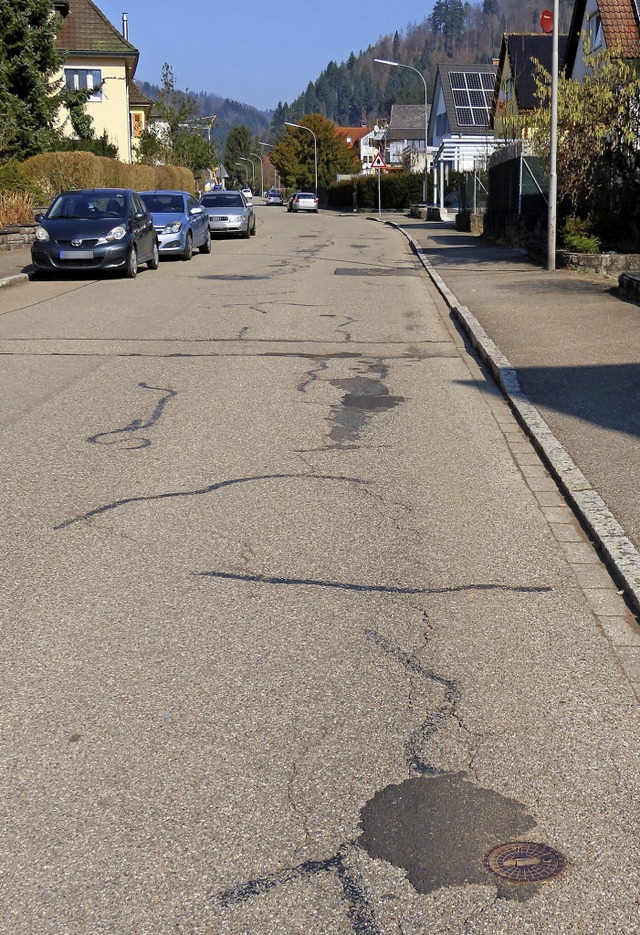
<point x="378" y="162"/>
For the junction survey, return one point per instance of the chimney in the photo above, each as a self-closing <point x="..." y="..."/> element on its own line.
<point x="125" y="26"/>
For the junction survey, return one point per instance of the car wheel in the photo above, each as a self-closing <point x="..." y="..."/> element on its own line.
<point x="253" y="229"/>
<point x="188" y="250"/>
<point x="154" y="262"/>
<point x="246" y="234"/>
<point x="131" y="267"/>
<point x="206" y="246"/>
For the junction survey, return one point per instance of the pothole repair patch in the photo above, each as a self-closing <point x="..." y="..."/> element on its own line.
<point x="524" y="862"/>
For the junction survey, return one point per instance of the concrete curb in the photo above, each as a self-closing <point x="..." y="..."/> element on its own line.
<point x="13" y="280"/>
<point x="619" y="553"/>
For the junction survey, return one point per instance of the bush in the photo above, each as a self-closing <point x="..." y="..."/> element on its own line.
<point x="15" y="208"/>
<point x="398" y="190"/>
<point x="50" y="173"/>
<point x="578" y="236"/>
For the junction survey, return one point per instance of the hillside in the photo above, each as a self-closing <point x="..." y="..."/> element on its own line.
<point x="228" y="113"/>
<point x="361" y="91"/>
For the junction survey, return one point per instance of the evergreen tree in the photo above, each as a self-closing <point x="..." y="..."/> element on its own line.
<point x="238" y="144"/>
<point x="28" y="62"/>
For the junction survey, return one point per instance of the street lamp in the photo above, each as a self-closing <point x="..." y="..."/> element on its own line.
<point x="384" y="61"/>
<point x="276" y="179"/>
<point x="253" y="169"/>
<point x="258" y="156"/>
<point x="315" y="146"/>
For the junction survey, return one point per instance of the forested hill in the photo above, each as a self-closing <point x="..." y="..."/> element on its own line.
<point x="228" y="113"/>
<point x="361" y="91"/>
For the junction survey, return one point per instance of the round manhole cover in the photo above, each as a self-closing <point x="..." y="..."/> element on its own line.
<point x="524" y="862"/>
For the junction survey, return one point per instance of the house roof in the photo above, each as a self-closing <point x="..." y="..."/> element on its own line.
<point x="87" y="30"/>
<point x="467" y="91"/>
<point x="137" y="98"/>
<point x="407" y="122"/>
<point x="620" y="25"/>
<point x="352" y="135"/>
<point x="520" y="49"/>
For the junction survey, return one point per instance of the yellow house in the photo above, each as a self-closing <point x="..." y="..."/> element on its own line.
<point x="140" y="108"/>
<point x="97" y="56"/>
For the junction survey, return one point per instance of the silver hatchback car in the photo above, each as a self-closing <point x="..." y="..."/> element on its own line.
<point x="305" y="201"/>
<point x="229" y="213"/>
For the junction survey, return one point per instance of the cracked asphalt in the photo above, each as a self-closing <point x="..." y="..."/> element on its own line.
<point x="295" y="626"/>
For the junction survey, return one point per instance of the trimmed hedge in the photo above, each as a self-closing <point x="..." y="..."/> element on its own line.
<point x="398" y="190"/>
<point x="50" y="173"/>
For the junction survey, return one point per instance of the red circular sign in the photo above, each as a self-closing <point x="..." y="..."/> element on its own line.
<point x="546" y="20"/>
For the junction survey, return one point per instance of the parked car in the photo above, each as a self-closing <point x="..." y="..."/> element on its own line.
<point x="274" y="197"/>
<point x="179" y="221"/>
<point x="95" y="229"/>
<point x="304" y="201"/>
<point x="229" y="213"/>
<point x="248" y="194"/>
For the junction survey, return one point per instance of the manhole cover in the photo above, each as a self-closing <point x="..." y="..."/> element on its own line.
<point x="524" y="862"/>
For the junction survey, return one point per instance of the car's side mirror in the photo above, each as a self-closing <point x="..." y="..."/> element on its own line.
<point x="139" y="215"/>
<point x="196" y="211"/>
<point x="39" y="216"/>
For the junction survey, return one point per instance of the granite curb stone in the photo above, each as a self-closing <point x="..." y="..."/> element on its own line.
<point x="618" y="551"/>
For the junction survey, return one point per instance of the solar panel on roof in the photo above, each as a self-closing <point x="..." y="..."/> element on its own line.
<point x="472" y="97"/>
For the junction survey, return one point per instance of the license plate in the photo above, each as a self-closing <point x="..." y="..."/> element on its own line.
<point x="218" y="219"/>
<point x="76" y="254"/>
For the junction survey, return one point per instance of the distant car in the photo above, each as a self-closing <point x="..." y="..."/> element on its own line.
<point x="229" y="212"/>
<point x="304" y="201"/>
<point x="95" y="229"/>
<point x="179" y="221"/>
<point x="274" y="197"/>
<point x="248" y="194"/>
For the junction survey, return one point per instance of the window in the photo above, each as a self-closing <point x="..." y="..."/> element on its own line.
<point x="596" y="36"/>
<point x="77" y="79"/>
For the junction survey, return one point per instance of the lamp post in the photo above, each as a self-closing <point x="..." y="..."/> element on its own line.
<point x="315" y="147"/>
<point x="553" y="148"/>
<point x="275" y="171"/>
<point x="241" y="165"/>
<point x="384" y="61"/>
<point x="253" y="169"/>
<point x="258" y="156"/>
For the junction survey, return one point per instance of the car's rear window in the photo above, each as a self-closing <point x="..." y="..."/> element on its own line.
<point x="223" y="200"/>
<point x="163" y="204"/>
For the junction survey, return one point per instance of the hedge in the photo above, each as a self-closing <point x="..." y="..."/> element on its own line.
<point x="50" y="173"/>
<point x="398" y="190"/>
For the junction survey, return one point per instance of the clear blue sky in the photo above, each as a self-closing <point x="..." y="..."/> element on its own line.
<point x="256" y="53"/>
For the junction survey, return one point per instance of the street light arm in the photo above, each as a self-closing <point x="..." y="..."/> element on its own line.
<point x="315" y="146"/>
<point x="384" y="61"/>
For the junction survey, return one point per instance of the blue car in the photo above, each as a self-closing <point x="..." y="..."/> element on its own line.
<point x="181" y="224"/>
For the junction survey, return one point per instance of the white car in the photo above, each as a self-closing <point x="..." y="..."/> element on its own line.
<point x="248" y="194"/>
<point x="304" y="201"/>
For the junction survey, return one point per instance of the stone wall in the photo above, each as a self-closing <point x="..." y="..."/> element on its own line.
<point x="14" y="238"/>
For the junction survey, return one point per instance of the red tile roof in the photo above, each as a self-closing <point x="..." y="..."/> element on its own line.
<point x="620" y="25"/>
<point x="355" y="133"/>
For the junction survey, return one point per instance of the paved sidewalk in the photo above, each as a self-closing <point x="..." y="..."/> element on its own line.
<point x="573" y="343"/>
<point x="14" y="266"/>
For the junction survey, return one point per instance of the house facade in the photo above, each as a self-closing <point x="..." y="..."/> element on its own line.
<point x="405" y="138"/>
<point x="97" y="56"/>
<point x="515" y="87"/>
<point x="608" y="24"/>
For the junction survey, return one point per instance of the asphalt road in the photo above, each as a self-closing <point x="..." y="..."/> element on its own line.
<point x="295" y="627"/>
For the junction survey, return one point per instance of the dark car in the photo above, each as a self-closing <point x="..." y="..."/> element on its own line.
<point x="95" y="229"/>
<point x="180" y="222"/>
